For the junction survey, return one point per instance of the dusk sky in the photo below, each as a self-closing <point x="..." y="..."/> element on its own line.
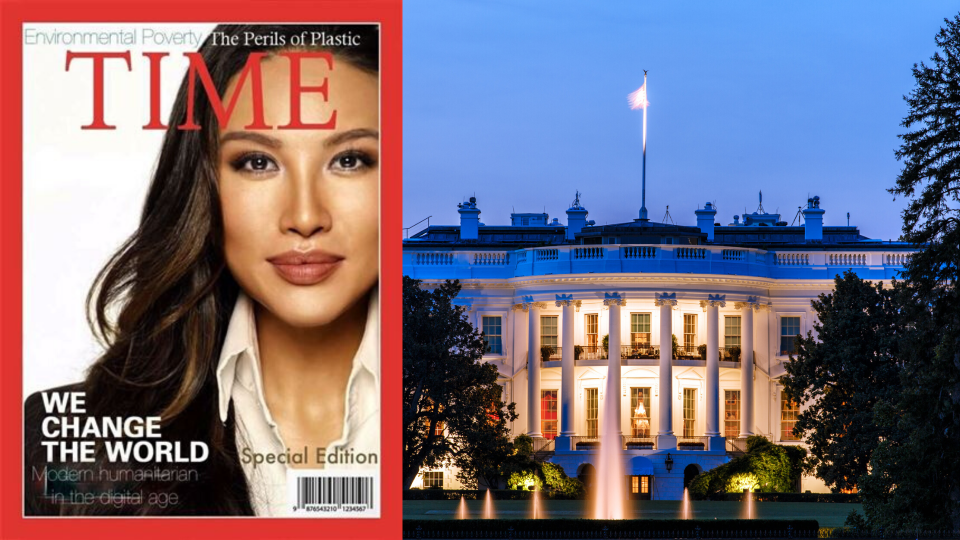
<point x="523" y="103"/>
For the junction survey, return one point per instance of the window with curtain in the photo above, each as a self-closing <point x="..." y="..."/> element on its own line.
<point x="689" y="412"/>
<point x="640" y="412"/>
<point x="548" y="331"/>
<point x="731" y="413"/>
<point x="690" y="332"/>
<point x="591" y="327"/>
<point x="731" y="332"/>
<point x="592" y="402"/>
<point x="788" y="418"/>
<point x="640" y="329"/>
<point x="548" y="413"/>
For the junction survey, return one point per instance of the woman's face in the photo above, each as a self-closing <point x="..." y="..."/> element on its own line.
<point x="301" y="207"/>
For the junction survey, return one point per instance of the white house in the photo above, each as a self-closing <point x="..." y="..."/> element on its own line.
<point x="564" y="307"/>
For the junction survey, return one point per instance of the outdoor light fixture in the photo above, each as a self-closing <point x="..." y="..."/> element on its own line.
<point x="668" y="462"/>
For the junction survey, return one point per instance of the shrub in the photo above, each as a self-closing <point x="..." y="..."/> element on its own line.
<point x="558" y="481"/>
<point x="766" y="467"/>
<point x="702" y="349"/>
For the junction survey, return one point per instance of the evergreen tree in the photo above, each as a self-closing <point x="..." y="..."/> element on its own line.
<point x="843" y="373"/>
<point x="453" y="411"/>
<point x="915" y="478"/>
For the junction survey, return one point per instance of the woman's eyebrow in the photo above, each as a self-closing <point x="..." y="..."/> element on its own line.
<point x="258" y="138"/>
<point x="353" y="134"/>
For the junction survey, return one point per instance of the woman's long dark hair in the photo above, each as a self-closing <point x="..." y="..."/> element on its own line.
<point x="162" y="303"/>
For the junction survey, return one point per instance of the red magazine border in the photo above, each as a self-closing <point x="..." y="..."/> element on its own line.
<point x="12" y="15"/>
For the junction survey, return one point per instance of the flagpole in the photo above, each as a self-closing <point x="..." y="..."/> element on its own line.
<point x="643" y="202"/>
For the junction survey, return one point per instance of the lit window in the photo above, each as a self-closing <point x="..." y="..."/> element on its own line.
<point x="592" y="410"/>
<point x="789" y="330"/>
<point x="640" y="329"/>
<point x="548" y="331"/>
<point x="591" y="325"/>
<point x="690" y="332"/>
<point x="548" y="413"/>
<point x="689" y="411"/>
<point x="731" y="413"/>
<point x="433" y="479"/>
<point x="438" y="429"/>
<point x="731" y="332"/>
<point x="788" y="418"/>
<point x="644" y="484"/>
<point x="634" y="484"/>
<point x="492" y="335"/>
<point x="640" y="412"/>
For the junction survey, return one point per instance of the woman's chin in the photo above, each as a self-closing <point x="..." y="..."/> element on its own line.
<point x="303" y="309"/>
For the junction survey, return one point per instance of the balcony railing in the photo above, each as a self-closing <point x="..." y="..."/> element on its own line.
<point x="693" y="443"/>
<point x="579" y="442"/>
<point x="549" y="353"/>
<point x="737" y="444"/>
<point x="775" y="263"/>
<point x="637" y="443"/>
<point x="691" y="352"/>
<point x="590" y="352"/>
<point x="543" y="444"/>
<point x="639" y="350"/>
<point x="730" y="354"/>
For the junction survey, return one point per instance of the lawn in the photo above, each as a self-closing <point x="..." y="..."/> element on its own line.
<point x="828" y="514"/>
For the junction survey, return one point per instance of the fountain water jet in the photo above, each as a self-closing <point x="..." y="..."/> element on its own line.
<point x="488" y="506"/>
<point x="748" y="504"/>
<point x="536" y="505"/>
<point x="462" y="509"/>
<point x="685" y="512"/>
<point x="610" y="480"/>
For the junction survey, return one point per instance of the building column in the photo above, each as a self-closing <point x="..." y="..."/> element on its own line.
<point x="533" y="370"/>
<point x="666" y="440"/>
<point x="567" y="367"/>
<point x="614" y="301"/>
<point x="712" y="306"/>
<point x="746" y="366"/>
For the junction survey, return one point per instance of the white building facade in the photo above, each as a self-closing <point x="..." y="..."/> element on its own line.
<point x="696" y="323"/>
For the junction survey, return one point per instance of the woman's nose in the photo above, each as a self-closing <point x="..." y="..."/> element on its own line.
<point x="305" y="214"/>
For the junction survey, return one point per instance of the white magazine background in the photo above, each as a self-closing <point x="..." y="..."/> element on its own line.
<point x="82" y="189"/>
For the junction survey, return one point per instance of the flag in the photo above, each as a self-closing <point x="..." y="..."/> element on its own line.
<point x="638" y="99"/>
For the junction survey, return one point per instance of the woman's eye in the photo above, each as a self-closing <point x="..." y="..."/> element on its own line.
<point x="254" y="163"/>
<point x="352" y="161"/>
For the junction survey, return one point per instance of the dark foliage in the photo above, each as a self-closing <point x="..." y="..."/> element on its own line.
<point x="842" y="373"/>
<point x="446" y="384"/>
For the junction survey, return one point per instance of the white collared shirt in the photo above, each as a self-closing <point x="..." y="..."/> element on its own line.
<point x="239" y="379"/>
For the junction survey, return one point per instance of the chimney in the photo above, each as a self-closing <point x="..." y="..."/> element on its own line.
<point x="469" y="220"/>
<point x="576" y="220"/>
<point x="705" y="220"/>
<point x="813" y="221"/>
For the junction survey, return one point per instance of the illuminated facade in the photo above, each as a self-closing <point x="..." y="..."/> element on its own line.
<point x="678" y="311"/>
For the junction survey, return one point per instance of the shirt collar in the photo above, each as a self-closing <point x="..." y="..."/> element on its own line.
<point x="241" y="343"/>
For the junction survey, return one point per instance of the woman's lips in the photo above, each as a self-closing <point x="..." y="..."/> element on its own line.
<point x="305" y="268"/>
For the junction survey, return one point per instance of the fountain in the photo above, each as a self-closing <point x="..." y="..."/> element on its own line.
<point x="488" y="506"/>
<point x="685" y="512"/>
<point x="536" y="505"/>
<point x="748" y="504"/>
<point x="462" y="509"/>
<point x="610" y="479"/>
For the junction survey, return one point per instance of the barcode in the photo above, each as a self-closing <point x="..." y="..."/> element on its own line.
<point x="335" y="493"/>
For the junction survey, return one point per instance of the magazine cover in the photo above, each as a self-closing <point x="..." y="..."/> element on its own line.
<point x="201" y="300"/>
